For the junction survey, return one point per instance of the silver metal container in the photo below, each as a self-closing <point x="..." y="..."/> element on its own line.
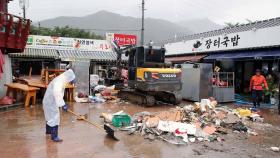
<point x="223" y="87"/>
<point x="81" y="69"/>
<point x="197" y="81"/>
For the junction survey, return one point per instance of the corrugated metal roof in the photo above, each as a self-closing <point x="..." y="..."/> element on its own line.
<point x="36" y="53"/>
<point x="240" y="28"/>
<point x="70" y="55"/>
<point x="67" y="55"/>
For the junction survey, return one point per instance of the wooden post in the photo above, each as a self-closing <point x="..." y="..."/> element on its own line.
<point x="30" y="72"/>
<point x="42" y="74"/>
<point x="47" y="76"/>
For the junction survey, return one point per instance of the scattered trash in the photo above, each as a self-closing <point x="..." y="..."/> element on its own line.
<point x="217" y="122"/>
<point x="189" y="108"/>
<point x="81" y="98"/>
<point x="244" y="112"/>
<point x="205" y="103"/>
<point x="95" y="99"/>
<point x="214" y="103"/>
<point x="82" y="117"/>
<point x="221" y="115"/>
<point x="212" y="138"/>
<point x="192" y="140"/>
<point x="99" y="88"/>
<point x="110" y="98"/>
<point x="222" y="130"/>
<point x="275" y="149"/>
<point x="256" y="118"/>
<point x="209" y="130"/>
<point x="173" y="115"/>
<point x="170" y="126"/>
<point x="231" y="119"/>
<point x="120" y="120"/>
<point x="107" y="117"/>
<point x="81" y="95"/>
<point x="249" y="131"/>
<point x="219" y="139"/>
<point x="200" y="122"/>
<point x="101" y="94"/>
<point x="106" y="92"/>
<point x="94" y="79"/>
<point x="152" y="122"/>
<point x="200" y="139"/>
<point x="175" y="141"/>
<point x="240" y="127"/>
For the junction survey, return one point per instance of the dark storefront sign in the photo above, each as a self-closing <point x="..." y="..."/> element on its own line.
<point x="248" y="54"/>
<point x="179" y="59"/>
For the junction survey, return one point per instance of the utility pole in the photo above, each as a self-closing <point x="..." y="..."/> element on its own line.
<point x="24" y="11"/>
<point x="39" y="28"/>
<point x="24" y="4"/>
<point x="143" y="23"/>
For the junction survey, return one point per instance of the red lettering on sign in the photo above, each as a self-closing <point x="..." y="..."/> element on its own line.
<point x="123" y="39"/>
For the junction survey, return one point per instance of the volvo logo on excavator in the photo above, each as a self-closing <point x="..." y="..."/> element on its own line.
<point x="169" y="75"/>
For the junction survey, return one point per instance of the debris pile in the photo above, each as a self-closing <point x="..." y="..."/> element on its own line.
<point x="192" y="123"/>
<point x="101" y="94"/>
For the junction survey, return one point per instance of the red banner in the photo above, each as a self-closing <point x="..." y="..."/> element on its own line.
<point x="123" y="39"/>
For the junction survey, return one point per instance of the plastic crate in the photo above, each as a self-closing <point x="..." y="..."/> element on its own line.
<point x="121" y="120"/>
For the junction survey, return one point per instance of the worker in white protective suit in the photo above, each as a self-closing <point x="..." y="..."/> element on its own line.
<point x="53" y="100"/>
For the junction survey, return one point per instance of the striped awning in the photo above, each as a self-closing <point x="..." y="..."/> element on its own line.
<point x="36" y="53"/>
<point x="73" y="55"/>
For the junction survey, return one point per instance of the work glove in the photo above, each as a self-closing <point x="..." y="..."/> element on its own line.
<point x="65" y="108"/>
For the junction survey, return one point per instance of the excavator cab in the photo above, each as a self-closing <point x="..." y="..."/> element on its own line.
<point x="148" y="71"/>
<point x="150" y="77"/>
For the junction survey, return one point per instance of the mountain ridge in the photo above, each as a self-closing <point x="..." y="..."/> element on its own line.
<point x="104" y="21"/>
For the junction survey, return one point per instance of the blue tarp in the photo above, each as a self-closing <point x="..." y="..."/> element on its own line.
<point x="254" y="54"/>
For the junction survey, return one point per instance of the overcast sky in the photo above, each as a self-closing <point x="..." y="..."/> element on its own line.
<point x="219" y="11"/>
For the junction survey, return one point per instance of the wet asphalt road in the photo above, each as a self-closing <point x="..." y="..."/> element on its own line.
<point x="22" y="134"/>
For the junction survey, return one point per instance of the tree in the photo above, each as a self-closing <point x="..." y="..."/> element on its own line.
<point x="65" y="31"/>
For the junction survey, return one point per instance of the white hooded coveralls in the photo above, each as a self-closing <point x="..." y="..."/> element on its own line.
<point x="53" y="98"/>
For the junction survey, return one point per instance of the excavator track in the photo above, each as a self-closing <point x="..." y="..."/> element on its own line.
<point x="137" y="97"/>
<point x="150" y="99"/>
<point x="169" y="97"/>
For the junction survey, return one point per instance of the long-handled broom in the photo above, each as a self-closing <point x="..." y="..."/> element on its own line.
<point x="106" y="128"/>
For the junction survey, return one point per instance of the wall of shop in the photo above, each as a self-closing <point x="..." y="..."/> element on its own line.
<point x="254" y="38"/>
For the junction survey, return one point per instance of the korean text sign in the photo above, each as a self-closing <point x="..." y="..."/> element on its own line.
<point x="48" y="42"/>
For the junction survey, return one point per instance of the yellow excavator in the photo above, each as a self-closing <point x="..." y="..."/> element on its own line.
<point x="150" y="79"/>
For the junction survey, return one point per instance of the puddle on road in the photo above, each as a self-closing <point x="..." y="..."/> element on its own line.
<point x="27" y="135"/>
